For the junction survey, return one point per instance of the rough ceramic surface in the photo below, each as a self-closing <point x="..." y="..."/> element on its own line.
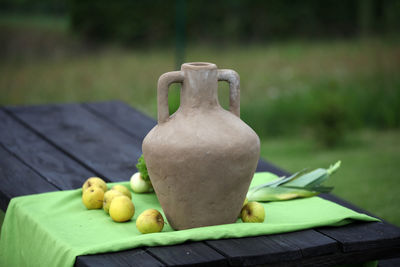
<point x="202" y="158"/>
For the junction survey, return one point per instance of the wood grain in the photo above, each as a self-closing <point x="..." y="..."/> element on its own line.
<point x="310" y="242"/>
<point x="124" y="117"/>
<point x="360" y="236"/>
<point x="93" y="142"/>
<point x="255" y="250"/>
<point x="132" y="257"/>
<point x="48" y="161"/>
<point x="17" y="179"/>
<point x="188" y="254"/>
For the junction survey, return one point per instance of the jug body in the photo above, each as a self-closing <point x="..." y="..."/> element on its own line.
<point x="202" y="158"/>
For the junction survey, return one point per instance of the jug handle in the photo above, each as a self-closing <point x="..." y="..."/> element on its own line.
<point x="164" y="82"/>
<point x="233" y="79"/>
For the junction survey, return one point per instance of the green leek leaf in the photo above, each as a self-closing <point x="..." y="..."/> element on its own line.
<point x="307" y="178"/>
<point x="279" y="194"/>
<point x="318" y="188"/>
<point x="300" y="184"/>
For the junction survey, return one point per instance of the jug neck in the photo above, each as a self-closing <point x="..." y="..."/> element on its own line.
<point x="200" y="85"/>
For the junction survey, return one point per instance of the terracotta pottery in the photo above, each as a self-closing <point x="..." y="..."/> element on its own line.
<point x="202" y="158"/>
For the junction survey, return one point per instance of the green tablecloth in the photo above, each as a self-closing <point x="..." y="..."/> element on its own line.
<point x="51" y="229"/>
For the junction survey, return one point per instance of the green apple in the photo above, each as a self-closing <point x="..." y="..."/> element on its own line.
<point x="253" y="212"/>
<point x="123" y="189"/>
<point x="139" y="185"/>
<point x="121" y="209"/>
<point x="150" y="221"/>
<point x="93" y="197"/>
<point x="108" y="197"/>
<point x="94" y="181"/>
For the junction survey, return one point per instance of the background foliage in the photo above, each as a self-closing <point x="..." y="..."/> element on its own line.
<point x="150" y="21"/>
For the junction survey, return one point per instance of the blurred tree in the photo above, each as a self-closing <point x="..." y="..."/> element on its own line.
<point x="391" y="16"/>
<point x="180" y="33"/>
<point x="123" y="20"/>
<point x="229" y="20"/>
<point x="34" y="6"/>
<point x="365" y="16"/>
<point x="154" y="21"/>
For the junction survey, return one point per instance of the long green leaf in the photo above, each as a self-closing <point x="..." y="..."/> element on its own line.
<point x="333" y="168"/>
<point x="290" y="178"/>
<point x="273" y="183"/>
<point x="278" y="182"/>
<point x="314" y="177"/>
<point x="317" y="188"/>
<point x="278" y="194"/>
<point x="307" y="178"/>
<point x="319" y="180"/>
<point x="300" y="184"/>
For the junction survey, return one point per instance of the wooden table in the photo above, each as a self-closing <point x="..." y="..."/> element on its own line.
<point x="56" y="147"/>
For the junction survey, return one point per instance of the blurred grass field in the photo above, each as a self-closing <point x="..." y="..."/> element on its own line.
<point x="289" y="91"/>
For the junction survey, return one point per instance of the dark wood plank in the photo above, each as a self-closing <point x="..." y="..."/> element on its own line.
<point x="17" y="179"/>
<point x="310" y="242"/>
<point x="191" y="253"/>
<point x="360" y="236"/>
<point x="133" y="257"/>
<point x="124" y="117"/>
<point x="356" y="258"/>
<point x="96" y="144"/>
<point x="395" y="262"/>
<point x="53" y="165"/>
<point x="275" y="248"/>
<point x="256" y="250"/>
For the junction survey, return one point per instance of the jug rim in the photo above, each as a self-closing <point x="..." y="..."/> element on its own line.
<point x="198" y="65"/>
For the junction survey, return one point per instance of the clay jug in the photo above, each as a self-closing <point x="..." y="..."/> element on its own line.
<point x="201" y="159"/>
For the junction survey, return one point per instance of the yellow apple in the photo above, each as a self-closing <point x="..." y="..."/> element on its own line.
<point x="150" y="221"/>
<point x="121" y="209"/>
<point x="108" y="197"/>
<point x="253" y="212"/>
<point x="93" y="197"/>
<point x="94" y="181"/>
<point x="124" y="190"/>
